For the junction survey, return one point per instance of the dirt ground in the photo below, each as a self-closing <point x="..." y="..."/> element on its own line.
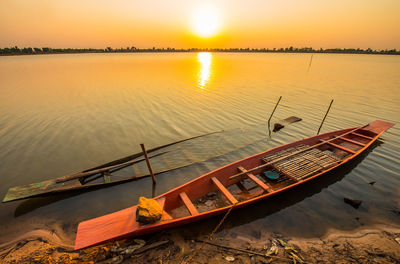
<point x="378" y="244"/>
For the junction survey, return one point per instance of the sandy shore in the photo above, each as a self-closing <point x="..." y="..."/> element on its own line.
<point x="376" y="244"/>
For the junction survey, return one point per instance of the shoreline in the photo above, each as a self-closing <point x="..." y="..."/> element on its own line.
<point x="379" y="243"/>
<point x="201" y="50"/>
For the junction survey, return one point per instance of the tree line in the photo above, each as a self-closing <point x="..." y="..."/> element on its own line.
<point x="46" y="50"/>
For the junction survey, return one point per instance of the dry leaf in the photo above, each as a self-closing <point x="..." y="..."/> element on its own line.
<point x="283" y="243"/>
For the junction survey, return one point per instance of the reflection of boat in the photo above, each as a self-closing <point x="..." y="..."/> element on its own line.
<point x="94" y="177"/>
<point x="238" y="184"/>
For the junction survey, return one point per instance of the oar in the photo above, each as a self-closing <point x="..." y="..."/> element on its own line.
<point x="293" y="154"/>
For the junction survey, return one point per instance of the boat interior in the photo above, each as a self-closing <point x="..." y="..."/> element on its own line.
<point x="280" y="169"/>
<point x="238" y="184"/>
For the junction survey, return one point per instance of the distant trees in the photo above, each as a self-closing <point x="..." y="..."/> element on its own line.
<point x="47" y="50"/>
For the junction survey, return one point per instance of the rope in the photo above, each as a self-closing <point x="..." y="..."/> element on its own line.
<point x="210" y="236"/>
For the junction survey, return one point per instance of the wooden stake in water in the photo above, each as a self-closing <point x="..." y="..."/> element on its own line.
<point x="273" y="111"/>
<point x="323" y="120"/>
<point x="309" y="65"/>
<point x="148" y="163"/>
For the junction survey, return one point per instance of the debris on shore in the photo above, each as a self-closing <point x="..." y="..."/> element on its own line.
<point x="380" y="245"/>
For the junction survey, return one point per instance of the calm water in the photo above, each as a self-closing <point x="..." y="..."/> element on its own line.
<point x="64" y="113"/>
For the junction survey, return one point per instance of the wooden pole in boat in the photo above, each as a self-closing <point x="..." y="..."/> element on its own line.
<point x="148" y="163"/>
<point x="323" y="120"/>
<point x="273" y="111"/>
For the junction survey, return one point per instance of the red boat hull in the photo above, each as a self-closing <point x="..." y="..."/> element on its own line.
<point x="122" y="224"/>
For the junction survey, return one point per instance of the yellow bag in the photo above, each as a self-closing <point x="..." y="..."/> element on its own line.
<point x="148" y="211"/>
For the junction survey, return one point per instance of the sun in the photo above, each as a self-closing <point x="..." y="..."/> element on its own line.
<point x="205" y="21"/>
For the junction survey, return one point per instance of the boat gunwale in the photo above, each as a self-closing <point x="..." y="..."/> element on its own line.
<point x="254" y="199"/>
<point x="142" y="230"/>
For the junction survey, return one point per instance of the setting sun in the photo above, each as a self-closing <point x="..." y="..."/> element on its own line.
<point x="205" y="21"/>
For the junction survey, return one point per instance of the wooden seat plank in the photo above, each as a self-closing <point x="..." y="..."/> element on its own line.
<point x="360" y="135"/>
<point x="353" y="141"/>
<point x="165" y="216"/>
<point x="255" y="179"/>
<point x="189" y="205"/>
<point x="338" y="146"/>
<point x="224" y="191"/>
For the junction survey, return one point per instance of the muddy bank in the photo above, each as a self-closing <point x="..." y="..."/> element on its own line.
<point x="377" y="244"/>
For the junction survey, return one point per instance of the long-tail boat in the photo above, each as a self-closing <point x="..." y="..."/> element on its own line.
<point x="238" y="184"/>
<point x="98" y="176"/>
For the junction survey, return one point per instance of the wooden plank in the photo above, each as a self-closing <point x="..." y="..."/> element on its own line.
<point x="338" y="147"/>
<point x="362" y="136"/>
<point x="353" y="141"/>
<point x="224" y="191"/>
<point x="255" y="179"/>
<point x="165" y="216"/>
<point x="189" y="205"/>
<point x="161" y="201"/>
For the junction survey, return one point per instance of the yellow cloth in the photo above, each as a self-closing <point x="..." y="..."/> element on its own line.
<point x="148" y="211"/>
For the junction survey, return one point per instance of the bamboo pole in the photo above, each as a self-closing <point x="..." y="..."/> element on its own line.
<point x="148" y="163"/>
<point x="273" y="111"/>
<point x="323" y="120"/>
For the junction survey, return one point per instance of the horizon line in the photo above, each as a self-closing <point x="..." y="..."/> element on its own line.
<point x="47" y="50"/>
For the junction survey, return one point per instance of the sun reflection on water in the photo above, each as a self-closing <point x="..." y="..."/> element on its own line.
<point x="205" y="68"/>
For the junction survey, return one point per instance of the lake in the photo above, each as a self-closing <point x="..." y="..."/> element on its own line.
<point x="61" y="114"/>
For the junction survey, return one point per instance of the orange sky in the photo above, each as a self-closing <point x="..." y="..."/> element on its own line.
<point x="168" y="23"/>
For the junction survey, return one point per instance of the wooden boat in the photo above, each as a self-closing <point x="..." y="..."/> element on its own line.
<point x="238" y="184"/>
<point x="90" y="178"/>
